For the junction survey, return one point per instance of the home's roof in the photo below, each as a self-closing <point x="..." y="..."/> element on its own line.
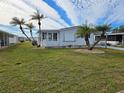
<point x="50" y="30"/>
<point x="72" y="27"/>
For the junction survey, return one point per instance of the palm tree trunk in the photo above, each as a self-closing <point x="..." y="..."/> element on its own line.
<point x="102" y="35"/>
<point x="91" y="48"/>
<point x="40" y="35"/>
<point x="24" y="33"/>
<point x="32" y="35"/>
<point x="87" y="41"/>
<point x="34" y="42"/>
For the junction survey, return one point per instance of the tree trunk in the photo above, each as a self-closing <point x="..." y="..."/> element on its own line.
<point x="24" y="33"/>
<point x="102" y="35"/>
<point x="91" y="48"/>
<point x="32" y="35"/>
<point x="40" y="35"/>
<point x="87" y="41"/>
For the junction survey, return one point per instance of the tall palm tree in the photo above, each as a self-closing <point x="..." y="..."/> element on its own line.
<point x="37" y="16"/>
<point x="84" y="32"/>
<point x="30" y="26"/>
<point x="103" y="29"/>
<point x="16" y="21"/>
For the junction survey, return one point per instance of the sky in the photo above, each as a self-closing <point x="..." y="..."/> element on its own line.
<point x="62" y="13"/>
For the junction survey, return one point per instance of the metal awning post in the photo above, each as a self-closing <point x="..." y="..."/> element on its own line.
<point x="4" y="39"/>
<point x="122" y="39"/>
<point x="106" y="41"/>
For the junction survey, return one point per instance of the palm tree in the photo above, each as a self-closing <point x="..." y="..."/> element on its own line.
<point x="121" y="28"/>
<point x="84" y="32"/>
<point x="16" y="21"/>
<point x="115" y="29"/>
<point x="103" y="29"/>
<point x="37" y="16"/>
<point x="30" y="26"/>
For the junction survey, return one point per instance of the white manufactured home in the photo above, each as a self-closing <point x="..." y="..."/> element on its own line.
<point x="65" y="37"/>
<point x="7" y="39"/>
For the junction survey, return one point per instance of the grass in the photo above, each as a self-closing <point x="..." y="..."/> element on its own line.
<point x="121" y="46"/>
<point x="27" y="70"/>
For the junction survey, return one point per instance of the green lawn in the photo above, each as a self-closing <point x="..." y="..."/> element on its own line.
<point x="27" y="70"/>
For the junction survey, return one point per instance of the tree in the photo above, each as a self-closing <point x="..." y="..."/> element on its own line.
<point x="30" y="26"/>
<point x="84" y="32"/>
<point x="121" y="28"/>
<point x="16" y="21"/>
<point x="103" y="29"/>
<point x="37" y="16"/>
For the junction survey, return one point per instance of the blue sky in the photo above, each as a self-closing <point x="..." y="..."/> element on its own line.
<point x="62" y="13"/>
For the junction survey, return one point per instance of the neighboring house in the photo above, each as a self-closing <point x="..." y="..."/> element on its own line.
<point x="113" y="38"/>
<point x="7" y="39"/>
<point x="65" y="37"/>
<point x="22" y="38"/>
<point x="13" y="39"/>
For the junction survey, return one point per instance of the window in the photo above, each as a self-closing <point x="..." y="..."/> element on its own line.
<point x="44" y="35"/>
<point x="50" y="36"/>
<point x="55" y="36"/>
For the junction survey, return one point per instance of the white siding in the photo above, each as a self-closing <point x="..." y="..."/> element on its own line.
<point x="66" y="37"/>
<point x="13" y="40"/>
<point x="92" y="39"/>
<point x="70" y="35"/>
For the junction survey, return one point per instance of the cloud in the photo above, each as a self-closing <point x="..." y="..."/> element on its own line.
<point x="109" y="11"/>
<point x="105" y="11"/>
<point x="70" y="10"/>
<point x="25" y="8"/>
<point x="117" y="15"/>
<point x="47" y="10"/>
<point x="78" y="11"/>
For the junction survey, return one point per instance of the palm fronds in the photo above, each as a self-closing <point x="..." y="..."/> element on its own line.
<point x="37" y="15"/>
<point x="84" y="30"/>
<point x="16" y="21"/>
<point x="30" y="25"/>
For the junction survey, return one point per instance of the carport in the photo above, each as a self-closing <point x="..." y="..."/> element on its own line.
<point x="4" y="38"/>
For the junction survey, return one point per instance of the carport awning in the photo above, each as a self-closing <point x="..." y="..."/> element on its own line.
<point x="1" y="31"/>
<point x="112" y="34"/>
